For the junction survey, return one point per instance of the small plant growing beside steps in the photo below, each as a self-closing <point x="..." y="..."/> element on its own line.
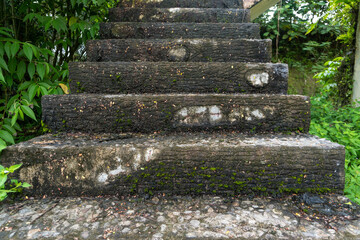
<point x="15" y="186"/>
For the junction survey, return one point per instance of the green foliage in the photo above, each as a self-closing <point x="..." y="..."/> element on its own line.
<point x="341" y="125"/>
<point x="37" y="41"/>
<point x="25" y="76"/>
<point x="14" y="186"/>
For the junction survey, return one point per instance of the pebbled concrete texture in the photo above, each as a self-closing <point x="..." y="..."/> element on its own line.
<point x="200" y="163"/>
<point x="179" y="217"/>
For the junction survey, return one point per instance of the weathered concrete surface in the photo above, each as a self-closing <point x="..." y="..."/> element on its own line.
<point x="198" y="15"/>
<point x="83" y="164"/>
<point x="182" y="3"/>
<point x="170" y="77"/>
<point x="137" y="30"/>
<point x="179" y="50"/>
<point x="179" y="217"/>
<point x="176" y="112"/>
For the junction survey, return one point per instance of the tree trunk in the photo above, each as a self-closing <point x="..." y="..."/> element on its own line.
<point x="356" y="88"/>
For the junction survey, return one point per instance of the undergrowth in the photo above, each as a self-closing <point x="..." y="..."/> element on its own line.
<point x="340" y="125"/>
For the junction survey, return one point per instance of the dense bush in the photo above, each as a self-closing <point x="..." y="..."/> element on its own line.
<point x="341" y="125"/>
<point x="37" y="42"/>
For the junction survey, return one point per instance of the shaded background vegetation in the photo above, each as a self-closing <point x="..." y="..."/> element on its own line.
<point x="316" y="39"/>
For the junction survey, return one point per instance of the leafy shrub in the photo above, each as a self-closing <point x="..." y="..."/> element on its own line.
<point x="25" y="76"/>
<point x="341" y="125"/>
<point x="15" y="186"/>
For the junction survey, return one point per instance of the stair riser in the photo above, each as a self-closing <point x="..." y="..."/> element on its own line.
<point x="185" y="112"/>
<point x="177" y="165"/>
<point x="179" y="30"/>
<point x="181" y="50"/>
<point x="197" y="15"/>
<point x="183" y="3"/>
<point x="165" y="77"/>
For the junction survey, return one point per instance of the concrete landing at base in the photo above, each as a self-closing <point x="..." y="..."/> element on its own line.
<point x="77" y="165"/>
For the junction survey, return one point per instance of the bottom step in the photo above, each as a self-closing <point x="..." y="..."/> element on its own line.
<point x="79" y="164"/>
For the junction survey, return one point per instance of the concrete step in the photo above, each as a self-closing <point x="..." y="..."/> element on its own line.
<point x="197" y="15"/>
<point x="183" y="3"/>
<point x="179" y="50"/>
<point x="170" y="77"/>
<point x="123" y="30"/>
<point x="77" y="165"/>
<point x="150" y="113"/>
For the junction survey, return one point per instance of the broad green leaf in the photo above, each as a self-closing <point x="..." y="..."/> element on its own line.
<point x="15" y="48"/>
<point x="21" y="114"/>
<point x="9" y="128"/>
<point x="40" y="68"/>
<point x="29" y="112"/>
<point x="32" y="91"/>
<point x="26" y="185"/>
<point x="1" y="49"/>
<point x="2" y="143"/>
<point x="28" y="51"/>
<point x="8" y="49"/>
<point x="14" y="167"/>
<point x="14" y="119"/>
<point x="35" y="51"/>
<point x="43" y="91"/>
<point x="31" y="70"/>
<point x="72" y="20"/>
<point x="3" y="179"/>
<point x="59" y="24"/>
<point x="21" y="70"/>
<point x="24" y="85"/>
<point x="4" y="65"/>
<point x="3" y="195"/>
<point x="7" y="136"/>
<point x="2" y="79"/>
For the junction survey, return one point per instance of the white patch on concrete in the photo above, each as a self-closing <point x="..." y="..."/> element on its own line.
<point x="195" y="41"/>
<point x="258" y="114"/>
<point x="259" y="79"/>
<point x="117" y="171"/>
<point x="177" y="53"/>
<point x="199" y="115"/>
<point x="103" y="177"/>
<point x="174" y="10"/>
<point x="150" y="154"/>
<point x="137" y="160"/>
<point x="248" y="118"/>
<point x="183" y="112"/>
<point x="201" y="109"/>
<point x="215" y="114"/>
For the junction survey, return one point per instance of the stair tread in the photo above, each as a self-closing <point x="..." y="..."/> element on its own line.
<point x="183" y="3"/>
<point x="136" y="30"/>
<point x="77" y="164"/>
<point x="179" y="50"/>
<point x="177" y="77"/>
<point x="176" y="112"/>
<point x="179" y="15"/>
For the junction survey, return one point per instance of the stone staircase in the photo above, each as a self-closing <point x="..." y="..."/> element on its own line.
<point x="178" y="97"/>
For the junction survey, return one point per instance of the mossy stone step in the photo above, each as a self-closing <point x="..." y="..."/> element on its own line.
<point x="124" y="30"/>
<point x="197" y="15"/>
<point x="173" y="77"/>
<point x="78" y="164"/>
<point x="182" y="3"/>
<point x="150" y="113"/>
<point x="179" y="50"/>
